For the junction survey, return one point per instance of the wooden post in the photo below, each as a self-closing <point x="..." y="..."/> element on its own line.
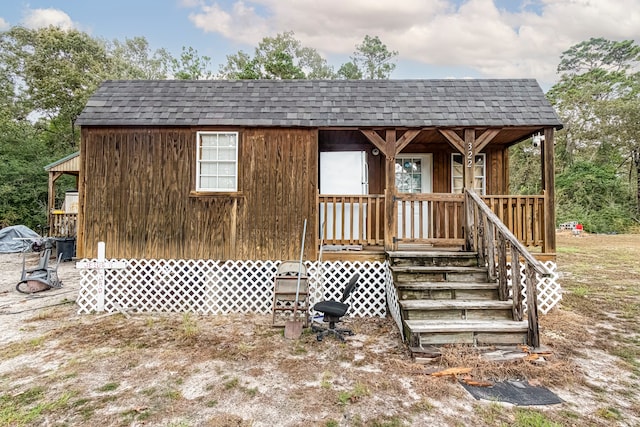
<point x="390" y="146"/>
<point x="533" y="333"/>
<point x="548" y="186"/>
<point x="80" y="224"/>
<point x="503" y="289"/>
<point x="490" y="233"/>
<point x="53" y="176"/>
<point x="469" y="158"/>
<point x="470" y="224"/>
<point x="391" y="217"/>
<point x="516" y="284"/>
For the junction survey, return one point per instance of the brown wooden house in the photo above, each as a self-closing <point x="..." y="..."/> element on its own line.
<point x="230" y="169"/>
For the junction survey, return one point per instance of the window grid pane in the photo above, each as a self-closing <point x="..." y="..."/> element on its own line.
<point x="217" y="161"/>
<point x="457" y="174"/>
<point x="409" y="175"/>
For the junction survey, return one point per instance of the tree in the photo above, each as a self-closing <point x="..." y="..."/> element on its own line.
<point x="350" y="71"/>
<point x="279" y="57"/>
<point x="240" y="66"/>
<point x="191" y="66"/>
<point x="597" y="99"/>
<point x="599" y="54"/>
<point x="594" y="195"/>
<point x="23" y="181"/>
<point x="133" y="59"/>
<point x="371" y="60"/>
<point x="54" y="72"/>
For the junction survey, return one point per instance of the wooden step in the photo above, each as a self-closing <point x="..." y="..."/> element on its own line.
<point x="432" y="258"/>
<point x="477" y="332"/>
<point x="439" y="274"/>
<point x="453" y="309"/>
<point x="447" y="290"/>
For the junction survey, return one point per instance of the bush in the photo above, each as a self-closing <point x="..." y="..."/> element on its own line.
<point x="594" y="196"/>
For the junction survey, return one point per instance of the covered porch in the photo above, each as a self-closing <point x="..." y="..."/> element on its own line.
<point x="393" y="213"/>
<point x="62" y="206"/>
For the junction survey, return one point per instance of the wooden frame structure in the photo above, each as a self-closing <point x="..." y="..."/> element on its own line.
<point x="60" y="222"/>
<point x="138" y="164"/>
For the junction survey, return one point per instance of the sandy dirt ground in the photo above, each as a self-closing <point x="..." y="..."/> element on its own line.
<point x="61" y="368"/>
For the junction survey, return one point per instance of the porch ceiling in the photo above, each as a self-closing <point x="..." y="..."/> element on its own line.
<point x="507" y="135"/>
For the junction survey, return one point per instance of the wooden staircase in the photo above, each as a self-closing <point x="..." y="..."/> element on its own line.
<point x="445" y="298"/>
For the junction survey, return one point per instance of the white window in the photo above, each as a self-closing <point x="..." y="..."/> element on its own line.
<point x="457" y="174"/>
<point x="217" y="161"/>
<point x="413" y="173"/>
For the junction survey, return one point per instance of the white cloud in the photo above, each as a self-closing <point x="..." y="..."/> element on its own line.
<point x="240" y="24"/>
<point x="39" y="18"/>
<point x="4" y="25"/>
<point x="476" y="34"/>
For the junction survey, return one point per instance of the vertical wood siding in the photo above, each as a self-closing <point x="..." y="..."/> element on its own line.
<point x="138" y="195"/>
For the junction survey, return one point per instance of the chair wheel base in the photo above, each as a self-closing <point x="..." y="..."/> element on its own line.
<point x="321" y="332"/>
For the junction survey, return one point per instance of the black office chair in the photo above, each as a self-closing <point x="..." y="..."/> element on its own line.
<point x="333" y="311"/>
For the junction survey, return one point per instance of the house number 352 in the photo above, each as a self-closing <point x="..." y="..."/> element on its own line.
<point x="469" y="155"/>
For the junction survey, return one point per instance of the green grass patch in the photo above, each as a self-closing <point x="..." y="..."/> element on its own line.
<point x="173" y="394"/>
<point x="609" y="413"/>
<point x="423" y="406"/>
<point x="149" y="391"/>
<point x="490" y="413"/>
<point x="84" y="407"/>
<point x="580" y="291"/>
<point x="387" y="422"/>
<point x="349" y="396"/>
<point x="568" y="250"/>
<point x="232" y="383"/>
<point x="141" y="414"/>
<point x="531" y="418"/>
<point x="22" y="347"/>
<point x="325" y="381"/>
<point x="29" y="406"/>
<point x="108" y="387"/>
<point x="251" y="392"/>
<point x="189" y="326"/>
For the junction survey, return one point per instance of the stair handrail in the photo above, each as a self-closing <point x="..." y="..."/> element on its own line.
<point x="483" y="229"/>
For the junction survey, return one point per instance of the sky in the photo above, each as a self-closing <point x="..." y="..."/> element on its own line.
<point x="433" y="38"/>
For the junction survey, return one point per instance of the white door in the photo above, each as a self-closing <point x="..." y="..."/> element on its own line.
<point x="413" y="175"/>
<point x="343" y="173"/>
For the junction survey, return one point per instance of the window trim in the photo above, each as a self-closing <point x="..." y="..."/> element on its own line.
<point x="484" y="171"/>
<point x="206" y="190"/>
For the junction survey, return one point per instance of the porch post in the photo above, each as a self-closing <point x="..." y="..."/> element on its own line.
<point x="391" y="220"/>
<point x="469" y="158"/>
<point x="548" y="186"/>
<point x="53" y="177"/>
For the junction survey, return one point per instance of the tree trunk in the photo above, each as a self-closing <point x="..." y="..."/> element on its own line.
<point x="636" y="160"/>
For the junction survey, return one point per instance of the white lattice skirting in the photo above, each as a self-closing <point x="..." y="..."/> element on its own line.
<point x="216" y="287"/>
<point x="549" y="290"/>
<point x="222" y="287"/>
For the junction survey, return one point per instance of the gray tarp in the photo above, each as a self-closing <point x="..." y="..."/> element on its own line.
<point x="8" y="234"/>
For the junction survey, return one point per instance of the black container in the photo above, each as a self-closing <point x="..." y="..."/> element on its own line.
<point x="67" y="247"/>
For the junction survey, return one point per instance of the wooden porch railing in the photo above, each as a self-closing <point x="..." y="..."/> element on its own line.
<point x="63" y="224"/>
<point x="491" y="238"/>
<point x="425" y="218"/>
<point x="349" y="220"/>
<point x="523" y="215"/>
<point x="430" y="218"/>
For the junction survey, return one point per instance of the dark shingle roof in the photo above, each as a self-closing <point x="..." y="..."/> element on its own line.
<point x="320" y="103"/>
